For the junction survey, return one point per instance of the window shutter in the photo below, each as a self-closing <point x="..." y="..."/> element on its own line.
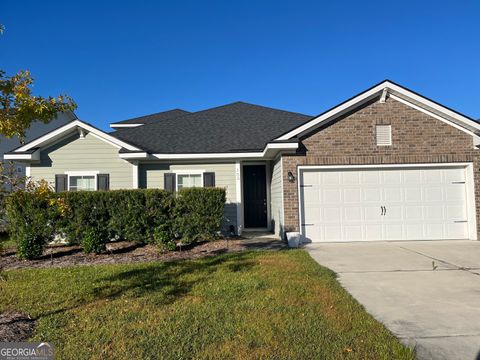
<point x="103" y="182"/>
<point x="61" y="182"/>
<point x="209" y="179"/>
<point x="384" y="135"/>
<point x="169" y="182"/>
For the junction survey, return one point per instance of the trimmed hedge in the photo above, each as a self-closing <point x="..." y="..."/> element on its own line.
<point x="36" y="215"/>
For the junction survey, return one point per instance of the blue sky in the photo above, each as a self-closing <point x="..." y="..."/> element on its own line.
<point x="121" y="59"/>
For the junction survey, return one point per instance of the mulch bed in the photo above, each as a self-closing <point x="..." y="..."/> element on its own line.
<point x="118" y="253"/>
<point x="15" y="326"/>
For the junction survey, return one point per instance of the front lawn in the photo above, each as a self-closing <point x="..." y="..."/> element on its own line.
<point x="244" y="305"/>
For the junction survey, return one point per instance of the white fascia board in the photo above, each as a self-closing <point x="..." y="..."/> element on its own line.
<point x="57" y="133"/>
<point x="246" y="155"/>
<point x="336" y="111"/>
<point x="115" y="126"/>
<point x="433" y="105"/>
<point x="392" y="89"/>
<point x="431" y="114"/>
<point x="137" y="155"/>
<point x="35" y="156"/>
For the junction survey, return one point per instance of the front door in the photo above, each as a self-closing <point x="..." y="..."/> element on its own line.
<point x="255" y="196"/>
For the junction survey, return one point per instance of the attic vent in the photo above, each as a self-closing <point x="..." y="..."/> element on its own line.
<point x="384" y="135"/>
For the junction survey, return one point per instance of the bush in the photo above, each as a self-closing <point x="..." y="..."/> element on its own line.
<point x="198" y="213"/>
<point x="165" y="238"/>
<point x="32" y="214"/>
<point x="92" y="218"/>
<point x="94" y="240"/>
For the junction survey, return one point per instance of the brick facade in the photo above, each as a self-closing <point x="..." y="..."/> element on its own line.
<point x="416" y="138"/>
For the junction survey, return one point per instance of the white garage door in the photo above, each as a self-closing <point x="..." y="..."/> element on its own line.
<point x="386" y="204"/>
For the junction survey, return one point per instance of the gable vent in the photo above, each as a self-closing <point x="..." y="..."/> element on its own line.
<point x="384" y="135"/>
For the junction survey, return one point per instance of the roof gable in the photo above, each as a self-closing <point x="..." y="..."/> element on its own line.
<point x="75" y="125"/>
<point x="399" y="93"/>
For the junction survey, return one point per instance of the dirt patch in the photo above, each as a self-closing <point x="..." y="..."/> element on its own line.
<point x="15" y="326"/>
<point x="119" y="253"/>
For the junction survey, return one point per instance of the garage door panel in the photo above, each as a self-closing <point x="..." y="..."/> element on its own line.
<point x="457" y="230"/>
<point x="433" y="176"/>
<point x="371" y="177"/>
<point x="455" y="192"/>
<point x="413" y="212"/>
<point x="414" y="231"/>
<point x="313" y="215"/>
<point x="456" y="212"/>
<point x="373" y="231"/>
<point x="330" y="178"/>
<point x="353" y="232"/>
<point x="352" y="195"/>
<point x="333" y="232"/>
<point x="393" y="194"/>
<point x="331" y="196"/>
<point x="434" y="231"/>
<point x="433" y="194"/>
<point x="372" y="195"/>
<point x="332" y="214"/>
<point x="353" y="214"/>
<point x="351" y="178"/>
<point x="393" y="231"/>
<point x="372" y="213"/>
<point x="386" y="204"/>
<point x="412" y="178"/>
<point x="413" y="194"/>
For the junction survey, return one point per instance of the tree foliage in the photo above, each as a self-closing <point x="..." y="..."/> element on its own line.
<point x="19" y="108"/>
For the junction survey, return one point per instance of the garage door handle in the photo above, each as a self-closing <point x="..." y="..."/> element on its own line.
<point x="384" y="210"/>
<point x="460" y="221"/>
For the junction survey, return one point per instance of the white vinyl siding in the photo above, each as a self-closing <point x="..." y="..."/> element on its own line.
<point x="83" y="155"/>
<point x="276" y="191"/>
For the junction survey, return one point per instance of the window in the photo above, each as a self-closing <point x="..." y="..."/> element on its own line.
<point x="81" y="182"/>
<point x="384" y="135"/>
<point x="189" y="180"/>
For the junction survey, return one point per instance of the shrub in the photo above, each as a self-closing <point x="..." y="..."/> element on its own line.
<point x="32" y="214"/>
<point x="92" y="218"/>
<point x="94" y="240"/>
<point x="165" y="238"/>
<point x="198" y="213"/>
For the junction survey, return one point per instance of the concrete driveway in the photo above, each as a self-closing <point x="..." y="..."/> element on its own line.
<point x="426" y="292"/>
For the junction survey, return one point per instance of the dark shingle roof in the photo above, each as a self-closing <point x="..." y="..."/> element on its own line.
<point x="229" y="128"/>
<point x="148" y="119"/>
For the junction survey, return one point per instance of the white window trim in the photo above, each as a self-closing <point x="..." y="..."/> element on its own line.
<point x="82" y="173"/>
<point x="188" y="172"/>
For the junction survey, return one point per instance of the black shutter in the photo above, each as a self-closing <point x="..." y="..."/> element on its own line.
<point x="169" y="181"/>
<point x="61" y="181"/>
<point x="209" y="179"/>
<point x="103" y="182"/>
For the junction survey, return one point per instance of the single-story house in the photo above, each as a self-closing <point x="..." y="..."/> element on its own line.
<point x="386" y="164"/>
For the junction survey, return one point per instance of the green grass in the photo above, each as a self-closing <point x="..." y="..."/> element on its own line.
<point x="248" y="305"/>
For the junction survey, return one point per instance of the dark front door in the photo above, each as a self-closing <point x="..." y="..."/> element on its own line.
<point x="254" y="196"/>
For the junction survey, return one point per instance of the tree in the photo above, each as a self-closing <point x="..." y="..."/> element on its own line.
<point x="19" y="108"/>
